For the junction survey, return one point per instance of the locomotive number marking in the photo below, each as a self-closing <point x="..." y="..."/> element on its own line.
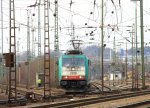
<point x="73" y="73"/>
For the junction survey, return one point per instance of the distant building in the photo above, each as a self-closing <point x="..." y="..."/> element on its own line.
<point x="117" y="75"/>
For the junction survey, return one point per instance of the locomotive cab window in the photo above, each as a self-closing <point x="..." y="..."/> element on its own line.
<point x="73" y="62"/>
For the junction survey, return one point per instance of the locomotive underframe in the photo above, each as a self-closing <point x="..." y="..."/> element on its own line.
<point x="73" y="83"/>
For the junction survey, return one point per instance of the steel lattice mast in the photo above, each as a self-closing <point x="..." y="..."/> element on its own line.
<point x="47" y="84"/>
<point x="12" y="53"/>
<point x="56" y="41"/>
<point x="39" y="40"/>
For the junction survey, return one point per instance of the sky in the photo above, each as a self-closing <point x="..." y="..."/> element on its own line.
<point x="82" y="14"/>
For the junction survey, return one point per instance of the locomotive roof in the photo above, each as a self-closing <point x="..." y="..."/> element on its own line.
<point x="73" y="52"/>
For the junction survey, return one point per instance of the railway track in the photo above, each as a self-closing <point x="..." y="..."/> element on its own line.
<point x="24" y="95"/>
<point x="23" y="91"/>
<point x="142" y="104"/>
<point x="87" y="101"/>
<point x="75" y="100"/>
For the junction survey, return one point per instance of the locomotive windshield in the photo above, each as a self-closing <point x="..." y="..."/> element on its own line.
<point x="73" y="62"/>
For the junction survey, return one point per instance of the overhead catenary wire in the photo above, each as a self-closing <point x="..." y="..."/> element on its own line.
<point x="23" y="24"/>
<point x="118" y="23"/>
<point x="63" y="28"/>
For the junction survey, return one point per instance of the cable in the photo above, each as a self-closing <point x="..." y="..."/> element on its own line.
<point x="75" y="13"/>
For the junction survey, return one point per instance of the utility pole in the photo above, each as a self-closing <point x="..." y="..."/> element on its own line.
<point x="33" y="41"/>
<point x="2" y="63"/>
<point x="39" y="37"/>
<point x="47" y="75"/>
<point x="12" y="53"/>
<point x="114" y="59"/>
<point x="39" y="40"/>
<point x="28" y="49"/>
<point x="142" y="44"/>
<point x="102" y="47"/>
<point x="33" y="30"/>
<point x="126" y="64"/>
<point x="18" y="61"/>
<point x="142" y="41"/>
<point x="72" y="34"/>
<point x="56" y="42"/>
<point x="136" y="42"/>
<point x="131" y="35"/>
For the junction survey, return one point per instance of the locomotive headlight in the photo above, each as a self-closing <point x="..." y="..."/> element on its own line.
<point x="66" y="77"/>
<point x="82" y="68"/>
<point x="81" y="77"/>
<point x="73" y="69"/>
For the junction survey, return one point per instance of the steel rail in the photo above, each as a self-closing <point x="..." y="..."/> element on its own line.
<point x="134" y="105"/>
<point x="87" y="101"/>
<point x="23" y="90"/>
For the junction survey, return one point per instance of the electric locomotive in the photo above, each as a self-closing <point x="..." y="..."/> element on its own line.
<point x="74" y="70"/>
